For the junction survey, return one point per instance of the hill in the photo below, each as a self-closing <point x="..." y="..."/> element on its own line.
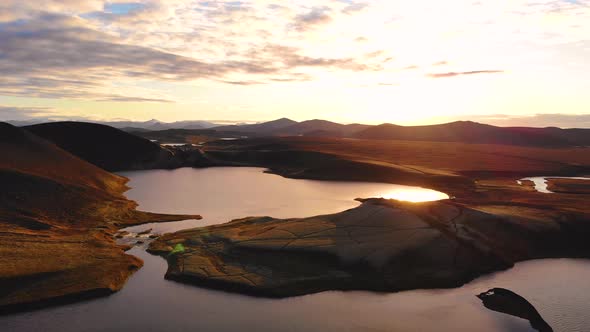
<point x="107" y="147"/>
<point x="258" y="128"/>
<point x="459" y="131"/>
<point x="472" y="132"/>
<point x="288" y="127"/>
<point x="320" y="128"/>
<point x="58" y="215"/>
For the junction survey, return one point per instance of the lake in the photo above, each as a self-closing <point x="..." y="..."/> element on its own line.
<point x="559" y="288"/>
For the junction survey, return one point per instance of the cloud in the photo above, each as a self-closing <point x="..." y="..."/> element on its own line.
<point x="22" y="116"/>
<point x="57" y="56"/>
<point x="355" y="7"/>
<point x="11" y="10"/>
<point x="241" y="82"/>
<point x="133" y="99"/>
<point x="462" y="73"/>
<point x="23" y="113"/>
<point x="141" y="50"/>
<point x="290" y="58"/>
<point x="316" y="16"/>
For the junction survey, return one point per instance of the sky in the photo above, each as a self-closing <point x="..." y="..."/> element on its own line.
<point x="507" y="62"/>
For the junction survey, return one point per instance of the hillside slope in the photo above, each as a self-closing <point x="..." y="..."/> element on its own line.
<point x="258" y="128"/>
<point x="472" y="132"/>
<point x="321" y="128"/>
<point x="107" y="147"/>
<point x="58" y="215"/>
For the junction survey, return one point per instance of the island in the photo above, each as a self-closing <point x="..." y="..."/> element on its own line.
<point x="506" y="301"/>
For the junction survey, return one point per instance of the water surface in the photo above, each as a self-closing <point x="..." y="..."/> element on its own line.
<point x="559" y="288"/>
<point x="221" y="194"/>
<point x="540" y="182"/>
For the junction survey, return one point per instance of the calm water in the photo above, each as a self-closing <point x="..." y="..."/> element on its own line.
<point x="540" y="182"/>
<point x="558" y="288"/>
<point x="221" y="194"/>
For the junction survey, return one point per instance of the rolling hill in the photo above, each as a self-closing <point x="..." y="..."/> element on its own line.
<point x="258" y="128"/>
<point x="58" y="214"/>
<point x="473" y="132"/>
<point x="107" y="147"/>
<point x="459" y="132"/>
<point x="320" y="128"/>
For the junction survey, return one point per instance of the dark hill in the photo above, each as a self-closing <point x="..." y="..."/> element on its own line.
<point x="259" y="128"/>
<point x="321" y="128"/>
<point x="287" y="127"/>
<point x="472" y="132"/>
<point x="58" y="215"/>
<point x="107" y="147"/>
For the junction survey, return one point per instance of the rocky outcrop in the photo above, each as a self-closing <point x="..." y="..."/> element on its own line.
<point x="382" y="245"/>
<point x="507" y="302"/>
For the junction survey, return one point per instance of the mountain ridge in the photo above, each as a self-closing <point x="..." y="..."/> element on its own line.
<point x="457" y="131"/>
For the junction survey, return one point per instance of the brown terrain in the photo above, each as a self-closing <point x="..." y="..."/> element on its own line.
<point x="574" y="186"/>
<point x="55" y="202"/>
<point x="490" y="223"/>
<point x="106" y="147"/>
<point x="58" y="215"/>
<point x="458" y="132"/>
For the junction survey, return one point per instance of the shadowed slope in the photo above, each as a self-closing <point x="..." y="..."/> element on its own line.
<point x="473" y="132"/>
<point x="104" y="146"/>
<point x="57" y="217"/>
<point x="321" y="128"/>
<point x="259" y="128"/>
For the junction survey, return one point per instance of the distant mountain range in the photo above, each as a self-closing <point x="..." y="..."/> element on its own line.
<point x="459" y="131"/>
<point x="288" y="127"/>
<point x="473" y="132"/>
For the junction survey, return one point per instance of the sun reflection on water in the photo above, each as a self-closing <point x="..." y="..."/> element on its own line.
<point x="415" y="195"/>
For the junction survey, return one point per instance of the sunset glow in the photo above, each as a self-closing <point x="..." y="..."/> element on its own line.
<point x="404" y="62"/>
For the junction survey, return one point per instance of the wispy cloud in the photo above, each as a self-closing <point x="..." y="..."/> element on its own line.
<point x="23" y="113"/>
<point x="355" y="7"/>
<point x="140" y="51"/>
<point x="316" y="16"/>
<point x="58" y="56"/>
<point x="462" y="73"/>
